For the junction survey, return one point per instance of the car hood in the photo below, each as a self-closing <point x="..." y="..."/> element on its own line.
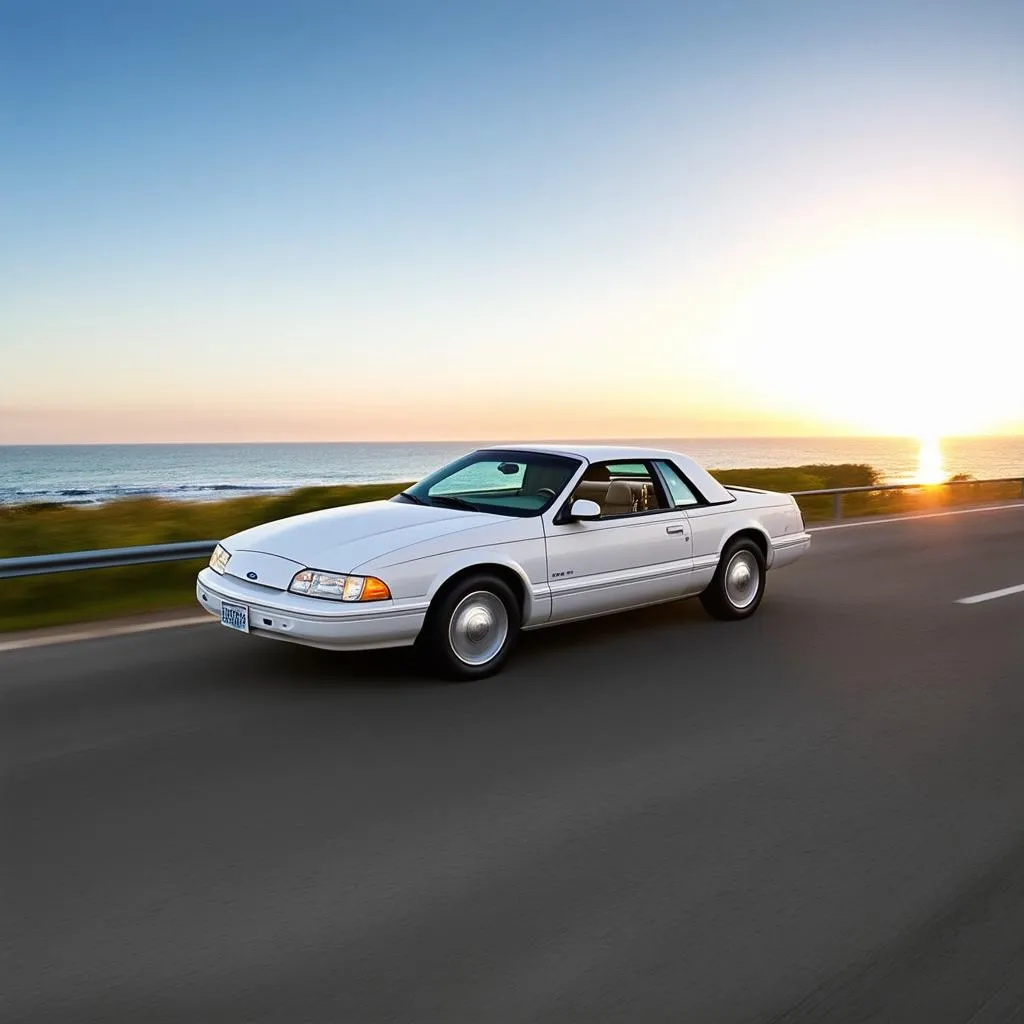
<point x="338" y="539"/>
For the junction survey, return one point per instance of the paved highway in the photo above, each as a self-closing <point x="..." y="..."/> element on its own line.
<point x="814" y="815"/>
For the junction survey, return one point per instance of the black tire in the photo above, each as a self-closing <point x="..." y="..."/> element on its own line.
<point x="455" y="640"/>
<point x="734" y="598"/>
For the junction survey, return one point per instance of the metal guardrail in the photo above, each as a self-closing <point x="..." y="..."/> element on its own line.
<point x="151" y="554"/>
<point x="838" y="492"/>
<point x="105" y="558"/>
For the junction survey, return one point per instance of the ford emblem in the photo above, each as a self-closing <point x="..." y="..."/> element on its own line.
<point x="251" y="575"/>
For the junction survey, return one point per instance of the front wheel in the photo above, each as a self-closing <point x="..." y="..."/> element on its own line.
<point x="737" y="587"/>
<point x="471" y="628"/>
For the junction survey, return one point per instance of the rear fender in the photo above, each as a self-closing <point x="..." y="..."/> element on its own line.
<point x="750" y="526"/>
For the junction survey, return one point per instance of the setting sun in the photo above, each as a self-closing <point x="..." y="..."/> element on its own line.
<point x="930" y="469"/>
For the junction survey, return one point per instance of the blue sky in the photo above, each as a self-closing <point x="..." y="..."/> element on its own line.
<point x="404" y="220"/>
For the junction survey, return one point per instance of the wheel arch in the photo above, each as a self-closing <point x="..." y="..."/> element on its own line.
<point x="504" y="568"/>
<point x="756" y="533"/>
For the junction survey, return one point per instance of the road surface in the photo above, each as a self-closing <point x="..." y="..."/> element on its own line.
<point x="817" y="814"/>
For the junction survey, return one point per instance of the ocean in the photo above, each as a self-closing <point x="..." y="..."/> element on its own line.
<point x="94" y="474"/>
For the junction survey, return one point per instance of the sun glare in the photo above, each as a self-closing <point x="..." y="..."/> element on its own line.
<point x="930" y="469"/>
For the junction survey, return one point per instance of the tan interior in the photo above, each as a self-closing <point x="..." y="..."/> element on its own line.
<point x="618" y="497"/>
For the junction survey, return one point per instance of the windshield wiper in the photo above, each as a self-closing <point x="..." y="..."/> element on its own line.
<point x="412" y="498"/>
<point x="453" y="501"/>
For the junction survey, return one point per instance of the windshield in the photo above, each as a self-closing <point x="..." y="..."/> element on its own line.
<point x="511" y="483"/>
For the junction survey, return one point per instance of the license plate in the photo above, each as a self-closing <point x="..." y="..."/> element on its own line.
<point x="235" y="616"/>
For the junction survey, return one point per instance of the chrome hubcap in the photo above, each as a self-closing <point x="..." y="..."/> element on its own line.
<point x="742" y="577"/>
<point x="478" y="627"/>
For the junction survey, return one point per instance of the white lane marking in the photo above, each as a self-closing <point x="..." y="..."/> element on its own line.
<point x="992" y="595"/>
<point x="907" y="519"/>
<point x="100" y="632"/>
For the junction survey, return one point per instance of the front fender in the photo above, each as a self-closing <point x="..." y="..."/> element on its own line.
<point x="534" y="604"/>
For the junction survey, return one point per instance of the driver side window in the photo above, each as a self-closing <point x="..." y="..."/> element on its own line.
<point x="621" y="489"/>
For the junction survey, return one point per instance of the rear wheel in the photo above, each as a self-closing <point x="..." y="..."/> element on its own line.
<point x="737" y="587"/>
<point x="471" y="628"/>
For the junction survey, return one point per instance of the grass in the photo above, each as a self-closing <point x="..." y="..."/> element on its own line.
<point x="104" y="593"/>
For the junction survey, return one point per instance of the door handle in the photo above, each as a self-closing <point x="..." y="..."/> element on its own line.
<point x="676" y="529"/>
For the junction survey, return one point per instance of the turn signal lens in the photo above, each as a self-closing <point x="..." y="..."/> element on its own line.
<point x="375" y="590"/>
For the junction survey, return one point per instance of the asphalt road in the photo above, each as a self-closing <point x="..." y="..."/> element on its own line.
<point x="817" y="814"/>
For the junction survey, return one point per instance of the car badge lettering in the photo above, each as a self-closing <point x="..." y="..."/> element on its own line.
<point x="251" y="575"/>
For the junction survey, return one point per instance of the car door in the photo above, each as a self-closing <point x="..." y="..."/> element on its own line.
<point x="625" y="559"/>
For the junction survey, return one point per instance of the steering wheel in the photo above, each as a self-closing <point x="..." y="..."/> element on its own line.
<point x="546" y="490"/>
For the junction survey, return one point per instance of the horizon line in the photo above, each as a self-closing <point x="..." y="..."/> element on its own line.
<point x="608" y="439"/>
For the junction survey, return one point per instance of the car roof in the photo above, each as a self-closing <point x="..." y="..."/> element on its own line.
<point x="590" y="452"/>
<point x="699" y="476"/>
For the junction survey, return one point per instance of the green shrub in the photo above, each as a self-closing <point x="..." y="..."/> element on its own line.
<point x="800" y="478"/>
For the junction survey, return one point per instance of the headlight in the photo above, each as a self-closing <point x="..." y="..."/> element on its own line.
<point x="219" y="559"/>
<point x="338" y="587"/>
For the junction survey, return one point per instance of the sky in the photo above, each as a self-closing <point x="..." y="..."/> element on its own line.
<point x="404" y="221"/>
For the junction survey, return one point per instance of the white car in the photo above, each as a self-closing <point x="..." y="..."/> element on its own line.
<point x="502" y="540"/>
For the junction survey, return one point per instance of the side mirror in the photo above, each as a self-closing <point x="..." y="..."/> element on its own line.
<point x="583" y="508"/>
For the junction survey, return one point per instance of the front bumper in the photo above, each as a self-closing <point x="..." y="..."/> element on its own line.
<point x="280" y="615"/>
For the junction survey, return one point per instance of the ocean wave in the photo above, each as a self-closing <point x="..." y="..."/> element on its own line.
<point x="103" y="494"/>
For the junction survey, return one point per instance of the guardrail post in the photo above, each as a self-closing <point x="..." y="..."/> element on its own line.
<point x="837" y="506"/>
